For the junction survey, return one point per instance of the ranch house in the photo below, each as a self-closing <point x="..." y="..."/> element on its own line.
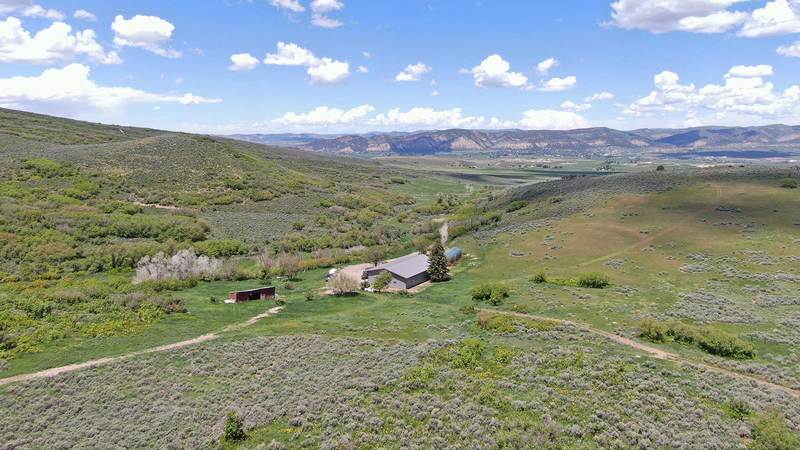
<point x="407" y="271"/>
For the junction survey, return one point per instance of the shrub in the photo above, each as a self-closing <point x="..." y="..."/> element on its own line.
<point x="738" y="409"/>
<point x="376" y="254"/>
<point x="789" y="183"/>
<point x="342" y="284"/>
<point x="221" y="248"/>
<point x="652" y="330"/>
<point x="660" y="168"/>
<point x="724" y="344"/>
<point x="683" y="333"/>
<point x="310" y="296"/>
<point x="539" y="278"/>
<point x="467" y="309"/>
<point x="183" y="265"/>
<point x="771" y="433"/>
<point x="168" y="285"/>
<point x="382" y="281"/>
<point x="469" y="354"/>
<point x="498" y="323"/>
<point x="494" y="293"/>
<point x="234" y="429"/>
<point x="594" y="280"/>
<point x="516" y="205"/>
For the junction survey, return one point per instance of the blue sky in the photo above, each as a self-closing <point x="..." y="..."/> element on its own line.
<point x="358" y="65"/>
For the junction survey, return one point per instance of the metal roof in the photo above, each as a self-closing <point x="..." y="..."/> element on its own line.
<point x="407" y="266"/>
<point x="250" y="291"/>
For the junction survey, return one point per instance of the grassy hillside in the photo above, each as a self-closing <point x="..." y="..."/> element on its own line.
<point x="700" y="265"/>
<point x="55" y="130"/>
<point x="77" y="218"/>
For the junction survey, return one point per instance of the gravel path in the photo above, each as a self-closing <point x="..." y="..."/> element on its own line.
<point x="48" y="373"/>
<point x="654" y="351"/>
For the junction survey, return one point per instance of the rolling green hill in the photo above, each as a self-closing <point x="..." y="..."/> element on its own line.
<point x="652" y="309"/>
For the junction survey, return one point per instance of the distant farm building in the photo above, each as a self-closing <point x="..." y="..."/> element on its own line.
<point x="407" y="271"/>
<point x="262" y="293"/>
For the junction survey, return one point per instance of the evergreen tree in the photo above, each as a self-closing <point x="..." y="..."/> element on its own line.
<point x="234" y="429"/>
<point x="437" y="264"/>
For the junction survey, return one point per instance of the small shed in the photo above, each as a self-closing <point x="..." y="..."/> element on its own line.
<point x="262" y="293"/>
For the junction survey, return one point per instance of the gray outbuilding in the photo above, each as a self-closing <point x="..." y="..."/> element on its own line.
<point x="407" y="271"/>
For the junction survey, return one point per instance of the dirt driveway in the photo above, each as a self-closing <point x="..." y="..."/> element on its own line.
<point x="48" y="373"/>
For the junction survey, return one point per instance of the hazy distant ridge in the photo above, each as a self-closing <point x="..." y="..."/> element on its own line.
<point x="589" y="140"/>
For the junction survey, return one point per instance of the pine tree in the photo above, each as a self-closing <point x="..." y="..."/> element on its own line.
<point x="437" y="264"/>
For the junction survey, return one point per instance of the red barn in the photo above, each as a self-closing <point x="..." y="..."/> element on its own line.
<point x="262" y="293"/>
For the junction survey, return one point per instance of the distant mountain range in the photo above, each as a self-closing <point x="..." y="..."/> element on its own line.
<point x="585" y="142"/>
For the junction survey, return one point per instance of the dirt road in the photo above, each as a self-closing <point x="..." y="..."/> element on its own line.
<point x="48" y="373"/>
<point x="655" y="352"/>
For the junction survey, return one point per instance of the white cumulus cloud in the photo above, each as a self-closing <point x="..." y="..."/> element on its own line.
<point x="543" y="119"/>
<point x="744" y="93"/>
<point x="324" y="116"/>
<point x="425" y="118"/>
<point x="559" y="84"/>
<point x="699" y="16"/>
<point x="29" y="9"/>
<point x="243" y="62"/>
<point x="147" y="32"/>
<point x="775" y="18"/>
<point x="72" y="89"/>
<point x="413" y="72"/>
<point x="290" y="5"/>
<point x="83" y="14"/>
<point x="600" y="96"/>
<point x="544" y="67"/>
<point x="320" y="10"/>
<point x="52" y="44"/>
<point x="792" y="50"/>
<point x="761" y="70"/>
<point x="321" y="70"/>
<point x="495" y="71"/>
<point x="575" y="107"/>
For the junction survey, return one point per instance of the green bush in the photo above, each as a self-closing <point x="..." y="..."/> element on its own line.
<point x="497" y="323"/>
<point x="234" y="429"/>
<point x="539" y="278"/>
<point x="516" y="205"/>
<point x="652" y="330"/>
<point x="770" y="432"/>
<point x="469" y="354"/>
<point x="221" y="248"/>
<point x="789" y="183"/>
<point x="724" y="344"/>
<point x="382" y="281"/>
<point x="494" y="293"/>
<point x="467" y="309"/>
<point x="594" y="280"/>
<point x="709" y="340"/>
<point x="738" y="409"/>
<point x="683" y="333"/>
